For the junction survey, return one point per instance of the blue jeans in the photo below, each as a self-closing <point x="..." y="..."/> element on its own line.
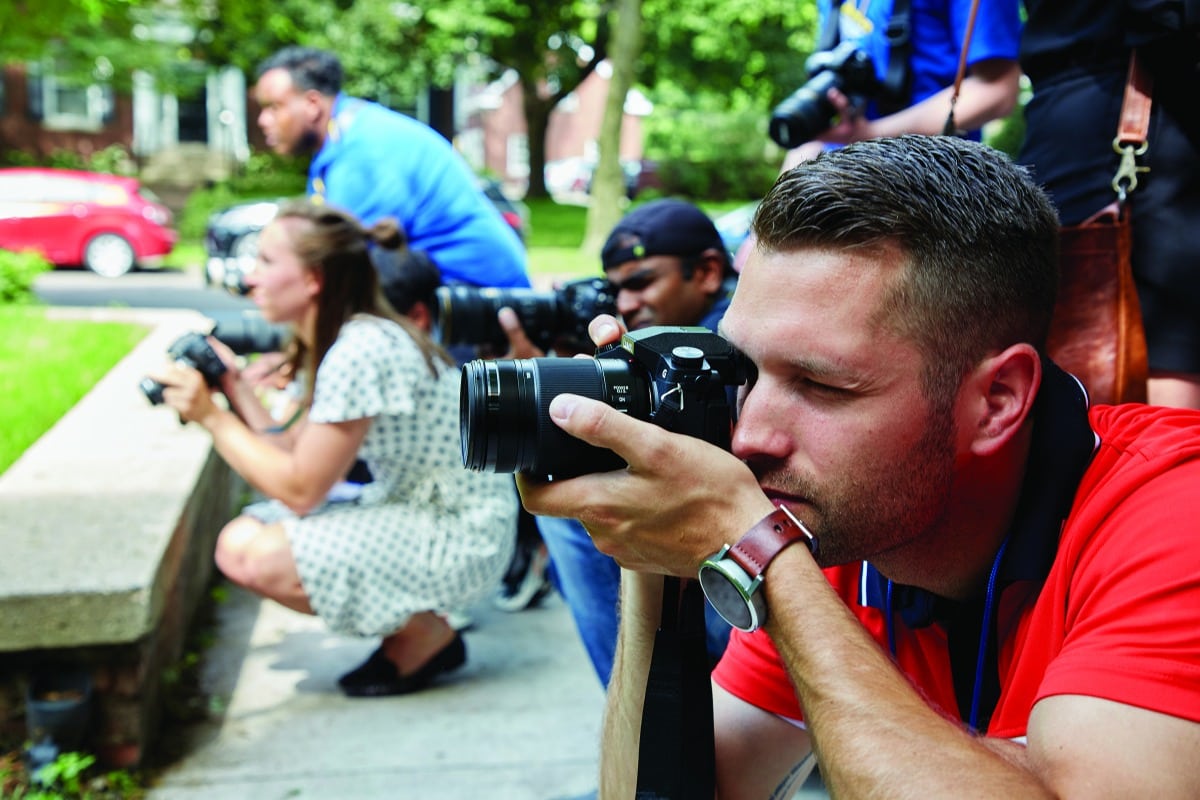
<point x="590" y="583"/>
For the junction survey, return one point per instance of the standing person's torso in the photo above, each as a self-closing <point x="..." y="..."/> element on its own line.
<point x="379" y="163"/>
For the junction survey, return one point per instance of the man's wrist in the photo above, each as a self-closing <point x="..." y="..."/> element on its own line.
<point x="733" y="578"/>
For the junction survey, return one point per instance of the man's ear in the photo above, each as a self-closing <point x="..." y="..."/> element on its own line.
<point x="314" y="106"/>
<point x="1003" y="388"/>
<point x="709" y="271"/>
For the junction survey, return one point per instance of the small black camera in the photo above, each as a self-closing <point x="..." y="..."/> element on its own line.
<point x="675" y="377"/>
<point x="467" y="314"/>
<point x="191" y="350"/>
<point x="807" y="112"/>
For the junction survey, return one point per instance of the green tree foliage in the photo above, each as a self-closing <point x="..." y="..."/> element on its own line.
<point x="753" y="49"/>
<point x="103" y="41"/>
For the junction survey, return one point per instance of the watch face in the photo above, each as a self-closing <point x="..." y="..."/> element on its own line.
<point x="727" y="597"/>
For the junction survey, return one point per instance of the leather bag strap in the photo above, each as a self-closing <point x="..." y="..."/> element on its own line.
<point x="1133" y="126"/>
<point x="951" y="127"/>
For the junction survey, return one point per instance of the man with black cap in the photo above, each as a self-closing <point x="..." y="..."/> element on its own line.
<point x="668" y="266"/>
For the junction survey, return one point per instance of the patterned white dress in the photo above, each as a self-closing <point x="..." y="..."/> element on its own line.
<point x="426" y="533"/>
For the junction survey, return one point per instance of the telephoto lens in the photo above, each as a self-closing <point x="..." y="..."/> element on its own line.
<point x="505" y="421"/>
<point x="249" y="333"/>
<point x="467" y="314"/>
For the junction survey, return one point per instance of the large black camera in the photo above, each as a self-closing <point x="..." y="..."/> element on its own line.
<point x="807" y="112"/>
<point x="191" y="350"/>
<point x="467" y="314"/>
<point x="247" y="332"/>
<point x="675" y="377"/>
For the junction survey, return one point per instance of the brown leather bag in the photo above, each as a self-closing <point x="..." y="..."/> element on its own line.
<point x="1096" y="332"/>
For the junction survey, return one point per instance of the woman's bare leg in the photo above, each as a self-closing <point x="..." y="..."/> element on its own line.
<point x="259" y="558"/>
<point x="422" y="637"/>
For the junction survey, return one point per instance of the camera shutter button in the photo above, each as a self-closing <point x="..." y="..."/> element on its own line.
<point x="688" y="356"/>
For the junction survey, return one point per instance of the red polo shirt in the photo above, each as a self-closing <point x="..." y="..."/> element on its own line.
<point x="1117" y="616"/>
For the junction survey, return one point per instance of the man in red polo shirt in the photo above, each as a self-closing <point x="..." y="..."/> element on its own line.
<point x="995" y="589"/>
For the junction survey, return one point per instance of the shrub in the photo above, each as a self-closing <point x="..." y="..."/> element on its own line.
<point x="18" y="271"/>
<point x="708" y="155"/>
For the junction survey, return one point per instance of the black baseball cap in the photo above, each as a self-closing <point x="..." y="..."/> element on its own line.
<point x="661" y="228"/>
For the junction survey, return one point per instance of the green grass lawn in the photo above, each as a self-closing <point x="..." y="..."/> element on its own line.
<point x="46" y="366"/>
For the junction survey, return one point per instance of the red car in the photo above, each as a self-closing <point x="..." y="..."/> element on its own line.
<point x="107" y="223"/>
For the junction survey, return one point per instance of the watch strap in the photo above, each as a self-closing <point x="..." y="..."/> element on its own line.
<point x="768" y="538"/>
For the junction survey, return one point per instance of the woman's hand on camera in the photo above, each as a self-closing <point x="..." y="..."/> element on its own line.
<point x="233" y="369"/>
<point x="185" y="390"/>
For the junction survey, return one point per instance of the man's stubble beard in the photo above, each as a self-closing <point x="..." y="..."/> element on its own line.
<point x="880" y="507"/>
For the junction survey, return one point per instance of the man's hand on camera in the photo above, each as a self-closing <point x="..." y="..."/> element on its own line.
<point x="851" y="125"/>
<point x="519" y="345"/>
<point x="679" y="501"/>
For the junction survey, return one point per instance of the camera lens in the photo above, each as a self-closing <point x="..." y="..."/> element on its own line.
<point x="246" y="333"/>
<point x="806" y="113"/>
<point x="467" y="315"/>
<point x="504" y="418"/>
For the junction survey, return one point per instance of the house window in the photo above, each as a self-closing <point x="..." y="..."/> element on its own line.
<point x="517" y="157"/>
<point x="68" y="105"/>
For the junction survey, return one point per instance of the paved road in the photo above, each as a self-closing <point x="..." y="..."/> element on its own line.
<point x="167" y="288"/>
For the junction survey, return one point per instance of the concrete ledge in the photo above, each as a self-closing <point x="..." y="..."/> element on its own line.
<point x="107" y="526"/>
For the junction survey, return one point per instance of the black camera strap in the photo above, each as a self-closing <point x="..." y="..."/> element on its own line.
<point x="897" y="79"/>
<point x="676" y="758"/>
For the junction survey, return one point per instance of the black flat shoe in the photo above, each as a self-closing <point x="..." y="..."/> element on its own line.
<point x="378" y="676"/>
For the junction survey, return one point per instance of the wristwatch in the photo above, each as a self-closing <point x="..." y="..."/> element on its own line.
<point x="732" y="578"/>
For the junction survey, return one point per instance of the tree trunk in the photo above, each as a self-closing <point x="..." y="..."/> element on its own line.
<point x="537" y="119"/>
<point x="608" y="182"/>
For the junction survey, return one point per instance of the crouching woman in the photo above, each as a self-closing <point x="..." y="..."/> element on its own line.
<point x="424" y="535"/>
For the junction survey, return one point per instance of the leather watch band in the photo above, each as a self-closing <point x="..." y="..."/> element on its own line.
<point x="768" y="538"/>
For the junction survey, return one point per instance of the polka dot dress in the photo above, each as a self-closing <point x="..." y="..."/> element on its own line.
<point x="426" y="533"/>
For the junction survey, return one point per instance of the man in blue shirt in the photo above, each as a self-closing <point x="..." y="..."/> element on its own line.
<point x="936" y="30"/>
<point x="375" y="162"/>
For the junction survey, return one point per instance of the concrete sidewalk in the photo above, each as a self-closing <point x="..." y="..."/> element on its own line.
<point x="520" y="721"/>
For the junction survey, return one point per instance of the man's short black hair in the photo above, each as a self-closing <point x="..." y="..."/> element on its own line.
<point x="309" y="67"/>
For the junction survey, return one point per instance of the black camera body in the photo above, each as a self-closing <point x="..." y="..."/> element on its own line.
<point x="676" y="377"/>
<point x="807" y="112"/>
<point x="191" y="350"/>
<point x="467" y="314"/>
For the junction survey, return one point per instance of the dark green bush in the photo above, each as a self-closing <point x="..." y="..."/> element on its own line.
<point x="709" y="155"/>
<point x="18" y="271"/>
<point x="114" y="159"/>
